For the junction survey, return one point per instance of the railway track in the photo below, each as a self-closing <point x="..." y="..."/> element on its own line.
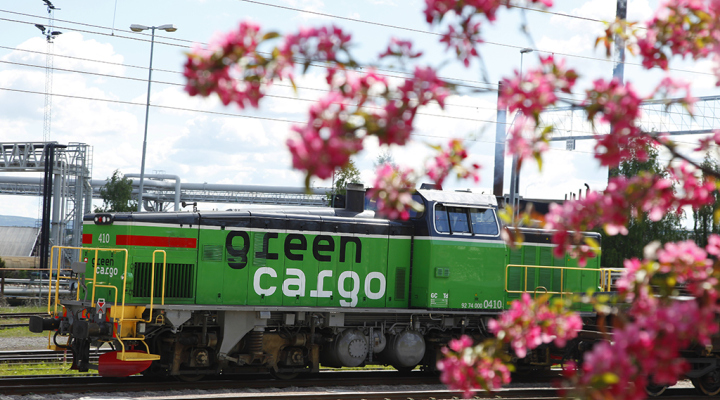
<point x="14" y="316"/>
<point x="384" y="381"/>
<point x="41" y="356"/>
<point x="328" y="386"/>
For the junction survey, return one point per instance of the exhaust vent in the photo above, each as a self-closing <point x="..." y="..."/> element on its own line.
<point x="355" y="197"/>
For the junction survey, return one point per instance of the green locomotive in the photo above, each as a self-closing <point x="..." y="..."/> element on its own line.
<point x="287" y="289"/>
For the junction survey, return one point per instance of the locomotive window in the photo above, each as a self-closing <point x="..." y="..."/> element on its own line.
<point x="441" y="219"/>
<point x="483" y="221"/>
<point x="458" y="220"/>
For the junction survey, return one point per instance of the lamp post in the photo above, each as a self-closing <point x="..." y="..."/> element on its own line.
<point x="140" y="28"/>
<point x="522" y="53"/>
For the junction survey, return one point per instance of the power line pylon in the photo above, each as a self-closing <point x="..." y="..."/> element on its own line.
<point x="49" y="34"/>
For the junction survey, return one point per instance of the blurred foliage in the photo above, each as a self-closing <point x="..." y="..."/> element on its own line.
<point x="705" y="219"/>
<point x="641" y="230"/>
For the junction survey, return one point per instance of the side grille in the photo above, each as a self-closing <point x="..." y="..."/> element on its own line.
<point x="212" y="252"/>
<point x="179" y="280"/>
<point x="400" y="284"/>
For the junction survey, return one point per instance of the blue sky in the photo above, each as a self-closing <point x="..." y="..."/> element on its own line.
<point x="204" y="146"/>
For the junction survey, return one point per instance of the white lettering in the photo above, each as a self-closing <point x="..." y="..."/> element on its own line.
<point x="352" y="294"/>
<point x="320" y="280"/>
<point x="368" y="279"/>
<point x="299" y="282"/>
<point x="295" y="282"/>
<point x="256" y="281"/>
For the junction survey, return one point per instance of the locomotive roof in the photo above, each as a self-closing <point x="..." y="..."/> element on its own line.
<point x="463" y="198"/>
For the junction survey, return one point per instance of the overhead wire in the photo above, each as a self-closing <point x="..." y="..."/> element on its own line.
<point x="289" y="8"/>
<point x="327" y="15"/>
<point x="278" y="96"/>
<point x="385" y="71"/>
<point x="180" y="85"/>
<point x="272" y="118"/>
<point x="210" y="112"/>
<point x="439" y="34"/>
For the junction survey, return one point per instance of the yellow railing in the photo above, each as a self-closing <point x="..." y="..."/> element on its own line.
<point x="606" y="278"/>
<point x="544" y="290"/>
<point x="120" y="313"/>
<point x="92" y="281"/>
<point x="135" y="356"/>
<point x="152" y="282"/>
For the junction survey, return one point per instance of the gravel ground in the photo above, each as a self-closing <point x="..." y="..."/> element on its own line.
<point x="23" y="343"/>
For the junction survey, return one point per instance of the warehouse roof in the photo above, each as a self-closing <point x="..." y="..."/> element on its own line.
<point x="16" y="241"/>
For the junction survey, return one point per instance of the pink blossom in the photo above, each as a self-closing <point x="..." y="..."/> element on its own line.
<point x="536" y="90"/>
<point x="439" y="167"/>
<point x="680" y="27"/>
<point x="401" y="49"/>
<point x="466" y="367"/>
<point x="464" y="41"/>
<point x="618" y="105"/>
<point x="621" y="200"/>
<point x="393" y="189"/>
<point x="464" y="35"/>
<point x="528" y="324"/>
<point x="523" y="142"/>
<point x="713" y="246"/>
<point x="648" y="346"/>
<point x="315" y="44"/>
<point x="395" y="123"/>
<point x="325" y="143"/>
<point x="216" y="70"/>
<point x="669" y="87"/>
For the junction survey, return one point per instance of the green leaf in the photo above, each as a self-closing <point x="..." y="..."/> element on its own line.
<point x="609" y="378"/>
<point x="270" y="35"/>
<point x="594" y="245"/>
<point x="538" y="159"/>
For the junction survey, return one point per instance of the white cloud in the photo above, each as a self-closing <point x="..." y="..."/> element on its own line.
<point x="307" y="5"/>
<point x="71" y="52"/>
<point x="383" y="2"/>
<point x="639" y="10"/>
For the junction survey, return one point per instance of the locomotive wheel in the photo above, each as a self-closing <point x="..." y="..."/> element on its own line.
<point x="655" y="390"/>
<point x="709" y="383"/>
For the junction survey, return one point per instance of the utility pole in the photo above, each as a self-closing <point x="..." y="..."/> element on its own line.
<point x="618" y="60"/>
<point x="619" y="54"/>
<point x="500" y="133"/>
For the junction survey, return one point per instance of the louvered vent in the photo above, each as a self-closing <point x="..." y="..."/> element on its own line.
<point x="179" y="280"/>
<point x="212" y="252"/>
<point x="400" y="284"/>
<point x="260" y="257"/>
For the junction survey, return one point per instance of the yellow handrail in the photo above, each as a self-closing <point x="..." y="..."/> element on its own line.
<point x="606" y="283"/>
<point x="95" y="285"/>
<point x="562" y="292"/>
<point x="93" y="281"/>
<point x="152" y="283"/>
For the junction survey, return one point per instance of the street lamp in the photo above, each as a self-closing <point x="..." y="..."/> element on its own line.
<point x="140" y="28"/>
<point x="522" y="53"/>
